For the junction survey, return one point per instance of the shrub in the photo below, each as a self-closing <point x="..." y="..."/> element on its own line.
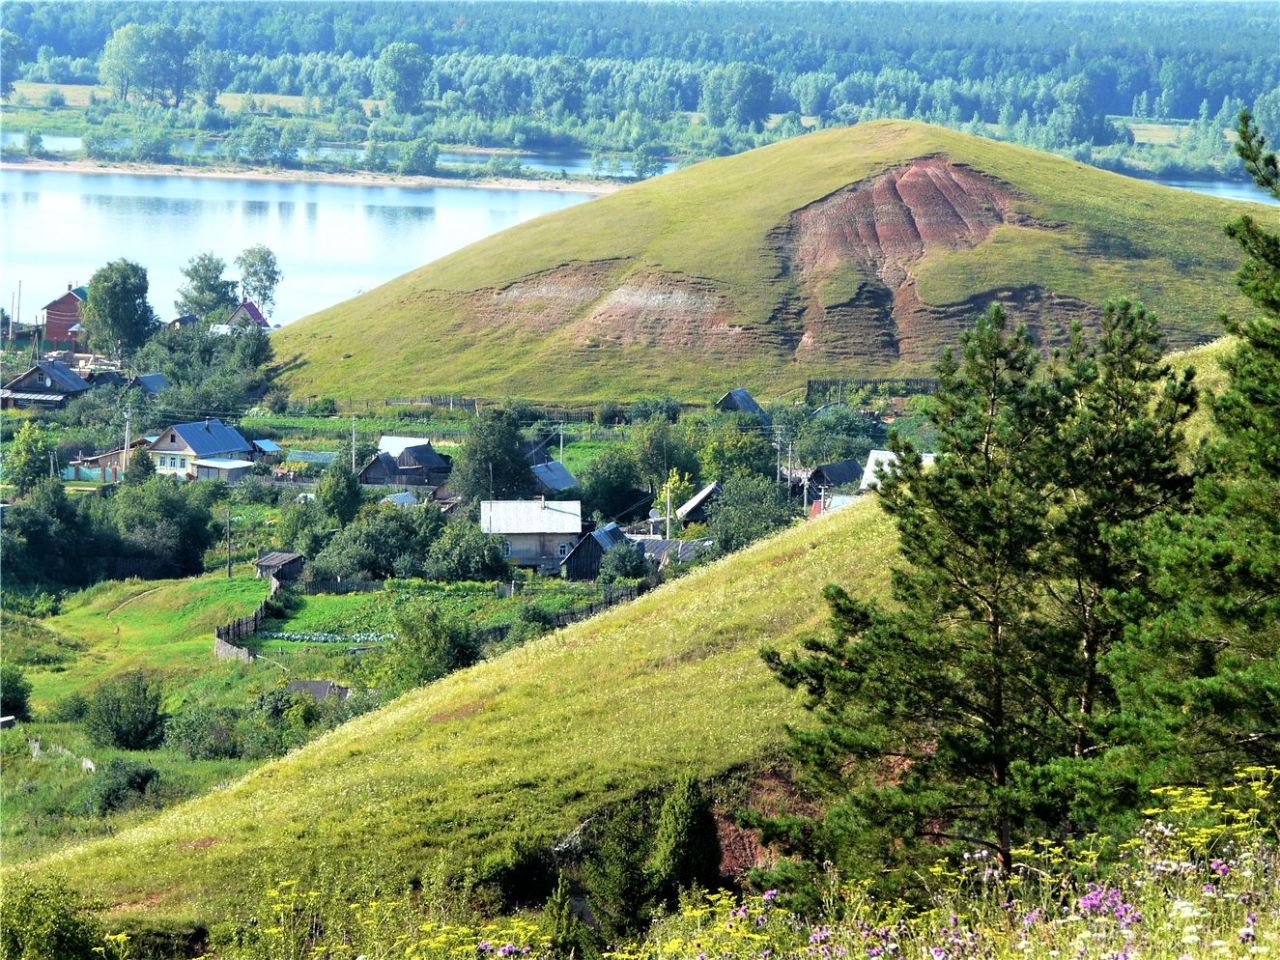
<point x="125" y="712"/>
<point x="120" y="784"/>
<point x="622" y="562"/>
<point x="322" y="407"/>
<point x="55" y="99"/>
<point x="15" y="693"/>
<point x="204" y="732"/>
<point x="686" y="848"/>
<point x="44" y="919"/>
<point x="72" y="708"/>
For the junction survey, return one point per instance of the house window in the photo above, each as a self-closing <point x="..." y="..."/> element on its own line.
<point x="506" y="548"/>
<point x="182" y="461"/>
<point x="562" y="551"/>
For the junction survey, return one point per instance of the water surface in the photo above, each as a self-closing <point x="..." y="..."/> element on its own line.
<point x="333" y="241"/>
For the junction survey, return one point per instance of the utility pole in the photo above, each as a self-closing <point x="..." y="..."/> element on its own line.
<point x="353" y="443"/>
<point x="228" y="541"/>
<point x="789" y="474"/>
<point x="668" y="508"/>
<point x="124" y="454"/>
<point x="562" y="441"/>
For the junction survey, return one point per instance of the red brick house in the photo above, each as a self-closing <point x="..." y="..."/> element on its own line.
<point x="62" y="318"/>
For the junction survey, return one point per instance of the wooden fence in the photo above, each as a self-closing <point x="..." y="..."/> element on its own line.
<point x="225" y="637"/>
<point x="310" y="588"/>
<point x="835" y="391"/>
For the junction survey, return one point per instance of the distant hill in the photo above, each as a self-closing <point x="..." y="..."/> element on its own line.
<point x="861" y="252"/>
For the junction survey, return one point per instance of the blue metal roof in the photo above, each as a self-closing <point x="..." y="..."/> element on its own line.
<point x="267" y="446"/>
<point x="207" y="438"/>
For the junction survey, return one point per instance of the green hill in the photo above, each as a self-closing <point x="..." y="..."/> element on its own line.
<point x="857" y="252"/>
<point x="516" y="751"/>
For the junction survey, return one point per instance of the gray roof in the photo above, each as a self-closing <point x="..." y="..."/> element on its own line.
<point x="397" y="445"/>
<point x="838" y="474"/>
<point x="739" y="399"/>
<point x="276" y="559"/>
<point x="608" y="537"/>
<point x="405" y="499"/>
<point x="207" y="438"/>
<point x="697" y="500"/>
<point x="61" y="377"/>
<point x="152" y="383"/>
<point x="665" y="550"/>
<point x="554" y="475"/>
<point x="531" y="516"/>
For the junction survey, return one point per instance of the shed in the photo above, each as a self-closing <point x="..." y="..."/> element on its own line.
<point x="739" y="400"/>
<point x="218" y="468"/>
<point x="553" y="477"/>
<point x="150" y="384"/>
<point x="830" y="476"/>
<point x="583" y="561"/>
<point x="279" y="564"/>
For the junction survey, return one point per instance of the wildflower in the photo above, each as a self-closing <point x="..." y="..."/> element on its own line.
<point x="770" y="896"/>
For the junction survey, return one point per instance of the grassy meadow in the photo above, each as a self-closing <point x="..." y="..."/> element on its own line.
<point x="1101" y="236"/>
<point x="469" y="771"/>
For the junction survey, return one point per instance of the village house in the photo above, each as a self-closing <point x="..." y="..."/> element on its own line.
<point x="178" y="447"/>
<point x="535" y="533"/>
<point x="248" y="315"/>
<point x="406" y="462"/>
<point x="62" y="330"/>
<point x="582" y="562"/>
<point x="110" y="465"/>
<point x="831" y="476"/>
<point x="48" y="385"/>
<point x="882" y="461"/>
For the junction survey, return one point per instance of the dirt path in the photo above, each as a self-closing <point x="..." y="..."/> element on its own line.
<point x="139" y="596"/>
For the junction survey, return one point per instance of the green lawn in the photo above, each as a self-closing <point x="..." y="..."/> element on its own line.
<point x="164" y="626"/>
<point x="533" y="311"/>
<point x="515" y="751"/>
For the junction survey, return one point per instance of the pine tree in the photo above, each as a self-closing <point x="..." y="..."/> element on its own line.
<point x="686" y="846"/>
<point x="1202" y="688"/>
<point x="615" y="878"/>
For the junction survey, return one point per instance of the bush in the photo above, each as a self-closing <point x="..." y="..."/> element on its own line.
<point x="120" y="784"/>
<point x="72" y="708"/>
<point x="622" y="562"/>
<point x="44" y="919"/>
<point x="55" y="99"/>
<point x="323" y="407"/>
<point x="15" y="693"/>
<point x="204" y="732"/>
<point x="125" y="712"/>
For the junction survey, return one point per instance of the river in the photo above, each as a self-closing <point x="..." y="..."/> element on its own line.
<point x="333" y="241"/>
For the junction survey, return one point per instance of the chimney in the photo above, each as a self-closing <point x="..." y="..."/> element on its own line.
<point x="543" y="501"/>
<point x="68" y="286"/>
<point x="206" y="425"/>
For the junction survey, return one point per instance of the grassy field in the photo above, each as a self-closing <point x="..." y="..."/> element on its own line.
<point x="515" y="751"/>
<point x="164" y="626"/>
<point x="709" y="228"/>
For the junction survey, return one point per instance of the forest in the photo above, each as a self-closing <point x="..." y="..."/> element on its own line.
<point x="1153" y="89"/>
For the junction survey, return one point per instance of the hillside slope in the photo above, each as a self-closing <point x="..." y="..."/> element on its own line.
<point x="859" y="251"/>
<point x="518" y="750"/>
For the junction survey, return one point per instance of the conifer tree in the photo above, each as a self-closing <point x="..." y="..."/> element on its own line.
<point x="686" y="846"/>
<point x="1202" y="687"/>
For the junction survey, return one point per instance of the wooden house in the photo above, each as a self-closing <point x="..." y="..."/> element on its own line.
<point x="178" y="447"/>
<point x="110" y="465"/>
<point x="248" y="315"/>
<point x="582" y="562"/>
<point x="62" y="330"/>
<point x="406" y="462"/>
<point x="828" y="477"/>
<point x="535" y="533"/>
<point x="49" y="385"/>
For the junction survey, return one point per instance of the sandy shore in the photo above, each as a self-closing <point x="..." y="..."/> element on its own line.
<point x="359" y="178"/>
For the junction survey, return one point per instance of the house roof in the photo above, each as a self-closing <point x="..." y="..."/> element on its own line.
<point x="320" y="458"/>
<point x="405" y="499"/>
<point x="267" y="446"/>
<point x="681" y="550"/>
<point x="397" y="445"/>
<point x="840" y="473"/>
<point x="697" y="500"/>
<point x="276" y="559"/>
<point x="62" y="379"/>
<point x="222" y="463"/>
<point x="249" y="309"/>
<point x="152" y="383"/>
<point x="531" y="516"/>
<point x="101" y="378"/>
<point x="554" y="475"/>
<point x="739" y="399"/>
<point x="207" y="438"/>
<point x="186" y="320"/>
<point x="883" y="460"/>
<point x="80" y="293"/>
<point x="608" y="537"/>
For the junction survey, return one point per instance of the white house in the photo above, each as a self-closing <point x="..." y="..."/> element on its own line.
<point x="883" y="461"/>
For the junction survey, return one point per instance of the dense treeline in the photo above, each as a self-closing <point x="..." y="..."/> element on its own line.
<point x="515" y="75"/>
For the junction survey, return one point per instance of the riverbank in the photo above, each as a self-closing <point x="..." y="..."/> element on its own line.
<point x="270" y="174"/>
